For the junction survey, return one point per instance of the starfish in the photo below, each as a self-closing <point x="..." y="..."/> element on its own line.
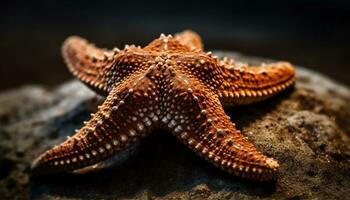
<point x="171" y="83"/>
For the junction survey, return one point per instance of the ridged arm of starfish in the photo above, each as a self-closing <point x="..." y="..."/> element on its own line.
<point x="190" y="39"/>
<point x="101" y="69"/>
<point x="123" y="119"/>
<point x="200" y="122"/>
<point x="243" y="84"/>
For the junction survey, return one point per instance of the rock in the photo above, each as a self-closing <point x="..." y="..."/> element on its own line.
<point x="306" y="129"/>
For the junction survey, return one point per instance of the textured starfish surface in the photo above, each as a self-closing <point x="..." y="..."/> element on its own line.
<point x="173" y="84"/>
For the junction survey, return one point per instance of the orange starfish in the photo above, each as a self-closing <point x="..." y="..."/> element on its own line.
<point x="171" y="83"/>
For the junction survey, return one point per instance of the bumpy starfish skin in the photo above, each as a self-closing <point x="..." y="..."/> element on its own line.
<point x="171" y="83"/>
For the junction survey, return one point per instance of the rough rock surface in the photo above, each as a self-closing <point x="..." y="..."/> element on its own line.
<point x="306" y="129"/>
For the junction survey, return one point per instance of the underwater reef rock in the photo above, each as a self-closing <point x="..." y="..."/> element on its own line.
<point x="307" y="129"/>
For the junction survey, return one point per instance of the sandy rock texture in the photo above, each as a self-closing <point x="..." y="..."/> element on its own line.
<point x="307" y="129"/>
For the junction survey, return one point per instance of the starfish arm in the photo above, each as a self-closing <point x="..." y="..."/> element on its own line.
<point x="184" y="42"/>
<point x="249" y="84"/>
<point x="200" y="122"/>
<point x="88" y="63"/>
<point x="190" y="39"/>
<point x="120" y="121"/>
<point x="101" y="69"/>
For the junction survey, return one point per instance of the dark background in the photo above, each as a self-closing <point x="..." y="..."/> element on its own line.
<point x="311" y="33"/>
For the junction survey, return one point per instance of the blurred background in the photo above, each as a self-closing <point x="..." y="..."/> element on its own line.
<point x="311" y="33"/>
